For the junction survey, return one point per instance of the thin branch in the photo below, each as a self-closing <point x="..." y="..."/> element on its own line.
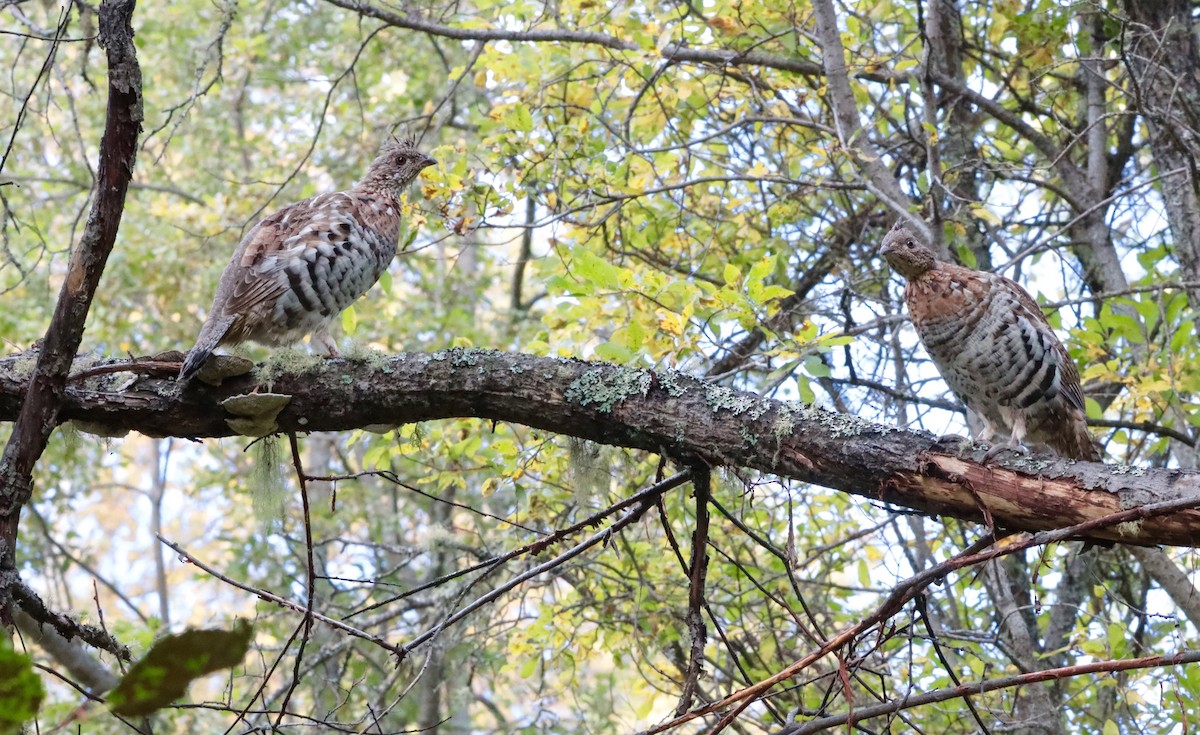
<point x="990" y="685"/>
<point x="697" y="571"/>
<point x="310" y="573"/>
<point x="906" y="590"/>
<point x="272" y="597"/>
<point x="677" y="52"/>
<point x="600" y="536"/>
<point x="65" y="626"/>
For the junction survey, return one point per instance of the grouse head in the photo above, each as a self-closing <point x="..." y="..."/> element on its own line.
<point x="397" y="166"/>
<point x="906" y="253"/>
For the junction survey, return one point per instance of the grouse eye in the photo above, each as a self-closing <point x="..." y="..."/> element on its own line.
<point x="910" y="244"/>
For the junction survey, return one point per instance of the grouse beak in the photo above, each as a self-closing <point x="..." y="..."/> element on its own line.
<point x="429" y="161"/>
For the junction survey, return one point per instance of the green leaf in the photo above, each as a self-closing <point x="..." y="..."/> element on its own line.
<point x="529" y="667"/>
<point x="613" y="352"/>
<point x="760" y="270"/>
<point x="21" y="690"/>
<point x="589" y="267"/>
<point x="163" y="674"/>
<point x="519" y="119"/>
<point x="349" y="321"/>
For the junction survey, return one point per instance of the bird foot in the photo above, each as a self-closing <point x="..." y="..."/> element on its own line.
<point x="997" y="449"/>
<point x="956" y="444"/>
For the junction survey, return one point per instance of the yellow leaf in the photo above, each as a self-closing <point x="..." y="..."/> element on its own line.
<point x="985" y="214"/>
<point x="671" y="323"/>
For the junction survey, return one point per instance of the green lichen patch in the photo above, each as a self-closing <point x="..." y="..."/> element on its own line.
<point x="1130" y="528"/>
<point x="286" y="362"/>
<point x="839" y="425"/>
<point x="373" y="359"/>
<point x="606" y="387"/>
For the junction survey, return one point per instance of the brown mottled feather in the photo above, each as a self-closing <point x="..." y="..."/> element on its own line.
<point x="995" y="349"/>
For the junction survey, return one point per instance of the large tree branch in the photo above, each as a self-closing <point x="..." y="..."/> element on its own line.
<point x="43" y="393"/>
<point x="664" y="412"/>
<point x="878" y="177"/>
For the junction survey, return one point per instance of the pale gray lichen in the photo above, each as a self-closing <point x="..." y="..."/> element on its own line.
<point x="1029" y="464"/>
<point x="1124" y="469"/>
<point x="268" y="491"/>
<point x="669" y="380"/>
<point x="785" y="421"/>
<point x="588" y="471"/>
<point x="760" y="408"/>
<point x="839" y="425"/>
<point x="96" y="428"/>
<point x="606" y="387"/>
<point x="23" y="365"/>
<point x="718" y="397"/>
<point x="462" y="357"/>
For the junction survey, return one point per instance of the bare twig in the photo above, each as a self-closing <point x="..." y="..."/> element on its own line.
<point x="311" y="574"/>
<point x="647" y="502"/>
<point x="909" y="588"/>
<point x="272" y="597"/>
<point x="990" y="685"/>
<point x="697" y="571"/>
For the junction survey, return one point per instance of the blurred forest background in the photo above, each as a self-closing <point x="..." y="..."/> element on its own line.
<point x="694" y="184"/>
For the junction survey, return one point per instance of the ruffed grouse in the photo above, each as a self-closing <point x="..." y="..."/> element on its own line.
<point x="994" y="348"/>
<point x="296" y="270"/>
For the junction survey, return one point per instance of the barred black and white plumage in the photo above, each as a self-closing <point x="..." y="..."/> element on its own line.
<point x="297" y="269"/>
<point x="994" y="348"/>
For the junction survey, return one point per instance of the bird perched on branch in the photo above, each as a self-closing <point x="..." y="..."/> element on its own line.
<point x="994" y="348"/>
<point x="296" y="270"/>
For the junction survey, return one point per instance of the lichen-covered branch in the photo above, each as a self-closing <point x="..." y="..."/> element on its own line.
<point x="659" y="411"/>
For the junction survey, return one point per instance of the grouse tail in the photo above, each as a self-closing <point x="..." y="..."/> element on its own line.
<point x="210" y="337"/>
<point x="1075" y="441"/>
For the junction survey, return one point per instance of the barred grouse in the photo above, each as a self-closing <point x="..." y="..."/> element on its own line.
<point x="296" y="270"/>
<point x="994" y="348"/>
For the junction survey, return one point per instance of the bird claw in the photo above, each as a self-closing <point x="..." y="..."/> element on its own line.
<point x="997" y="449"/>
<point x="957" y="444"/>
